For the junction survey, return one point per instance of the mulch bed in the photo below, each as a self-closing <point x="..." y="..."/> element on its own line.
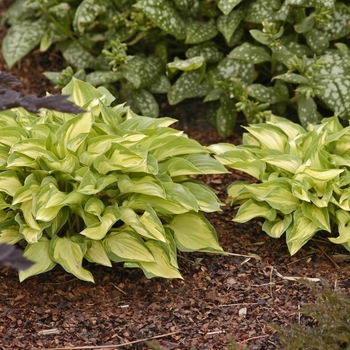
<point x="241" y="294"/>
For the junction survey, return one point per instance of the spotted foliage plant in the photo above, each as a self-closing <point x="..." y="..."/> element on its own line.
<point x="254" y="57"/>
<point x="303" y="179"/>
<point x="104" y="185"/>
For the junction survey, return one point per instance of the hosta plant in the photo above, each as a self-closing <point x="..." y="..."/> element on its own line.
<point x="303" y="179"/>
<point x="255" y="57"/>
<point x="104" y="185"/>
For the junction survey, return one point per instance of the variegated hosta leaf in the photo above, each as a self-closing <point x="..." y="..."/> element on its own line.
<point x="193" y="232"/>
<point x="164" y="15"/>
<point x="81" y="92"/>
<point x="9" y="182"/>
<point x="277" y="193"/>
<point x="146" y="184"/>
<point x="161" y="267"/>
<point x="343" y="220"/>
<point x="171" y="147"/>
<point x="252" y="209"/>
<point x="320" y="216"/>
<point x="162" y="206"/>
<point x="40" y="254"/>
<point x="268" y="136"/>
<point x="199" y="31"/>
<point x="300" y="231"/>
<point x="126" y="245"/>
<point x="152" y="223"/>
<point x="179" y="194"/>
<point x="9" y="232"/>
<point x="242" y="159"/>
<point x="92" y="183"/>
<point x="95" y="253"/>
<point x="206" y="198"/>
<point x="98" y="230"/>
<point x="277" y="227"/>
<point x="69" y="255"/>
<point x="73" y="133"/>
<point x="288" y="162"/>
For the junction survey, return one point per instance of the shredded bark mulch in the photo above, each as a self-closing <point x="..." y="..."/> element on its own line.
<point x="241" y="294"/>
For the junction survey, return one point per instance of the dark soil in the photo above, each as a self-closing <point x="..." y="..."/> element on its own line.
<point x="239" y="295"/>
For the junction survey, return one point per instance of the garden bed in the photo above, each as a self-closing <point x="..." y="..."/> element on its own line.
<point x="240" y="294"/>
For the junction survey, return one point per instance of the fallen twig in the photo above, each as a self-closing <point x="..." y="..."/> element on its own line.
<point x="113" y="346"/>
<point x="251" y="255"/>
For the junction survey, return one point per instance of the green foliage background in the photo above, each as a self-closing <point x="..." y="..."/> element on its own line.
<point x="286" y="57"/>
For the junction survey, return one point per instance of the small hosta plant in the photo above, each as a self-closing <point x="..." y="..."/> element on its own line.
<point x="255" y="57"/>
<point x="103" y="185"/>
<point x="303" y="179"/>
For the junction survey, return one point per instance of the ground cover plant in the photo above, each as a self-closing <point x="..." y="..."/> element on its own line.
<point x="254" y="57"/>
<point x="330" y="328"/>
<point x="303" y="179"/>
<point x="102" y="185"/>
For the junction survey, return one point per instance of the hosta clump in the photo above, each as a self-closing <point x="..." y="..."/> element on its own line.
<point x="304" y="179"/>
<point x="104" y="185"/>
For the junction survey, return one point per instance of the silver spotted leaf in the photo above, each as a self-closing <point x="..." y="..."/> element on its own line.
<point x="21" y="39"/>
<point x="189" y="85"/>
<point x="307" y="111"/>
<point x="226" y="115"/>
<point x="266" y="94"/>
<point x="339" y="26"/>
<point x="208" y="50"/>
<point x="228" y="24"/>
<point x="317" y="41"/>
<point x="77" y="56"/>
<point x="335" y="77"/>
<point x="87" y="13"/>
<point x="164" y="15"/>
<point x="198" y="31"/>
<point x="259" y="11"/>
<point x="146" y="69"/>
<point x="229" y="68"/>
<point x="226" y="6"/>
<point x="146" y="103"/>
<point x="250" y="53"/>
<point x="160" y="86"/>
